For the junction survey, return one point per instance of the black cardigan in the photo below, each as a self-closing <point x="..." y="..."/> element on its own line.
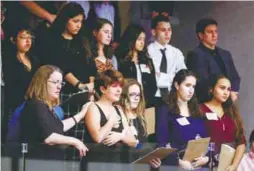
<point x="128" y="69"/>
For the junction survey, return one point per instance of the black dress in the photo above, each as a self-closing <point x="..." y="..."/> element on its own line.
<point x="88" y="137"/>
<point x="100" y="152"/>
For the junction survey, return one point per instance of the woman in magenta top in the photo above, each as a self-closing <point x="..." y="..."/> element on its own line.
<point x="222" y="119"/>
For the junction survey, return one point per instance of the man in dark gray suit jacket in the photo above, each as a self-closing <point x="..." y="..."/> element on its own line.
<point x="208" y="59"/>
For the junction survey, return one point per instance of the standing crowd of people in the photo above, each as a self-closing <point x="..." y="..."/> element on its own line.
<point x="123" y="76"/>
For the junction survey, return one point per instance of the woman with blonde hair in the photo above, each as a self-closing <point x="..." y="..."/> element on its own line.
<point x="38" y="122"/>
<point x="133" y="104"/>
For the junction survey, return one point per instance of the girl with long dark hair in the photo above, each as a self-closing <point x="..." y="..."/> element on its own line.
<point x="134" y="61"/>
<point x="181" y="121"/>
<point x="223" y="120"/>
<point x="101" y="38"/>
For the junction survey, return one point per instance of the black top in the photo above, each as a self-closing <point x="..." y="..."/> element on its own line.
<point x="37" y="122"/>
<point x="128" y="69"/>
<point x="216" y="57"/>
<point x="17" y="78"/>
<point x="203" y="64"/>
<point x="70" y="57"/>
<point x="88" y="137"/>
<point x="140" y="129"/>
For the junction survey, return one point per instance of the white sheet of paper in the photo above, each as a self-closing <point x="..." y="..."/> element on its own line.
<point x="183" y="121"/>
<point x="211" y="116"/>
<point x="145" y="68"/>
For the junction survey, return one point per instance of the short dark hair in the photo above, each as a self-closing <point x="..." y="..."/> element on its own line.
<point x="159" y="18"/>
<point x="203" y="23"/>
<point x="20" y="29"/>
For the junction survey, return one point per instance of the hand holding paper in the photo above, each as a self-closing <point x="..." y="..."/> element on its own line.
<point x="196" y="148"/>
<point x="200" y="161"/>
<point x="155" y="163"/>
<point x="185" y="164"/>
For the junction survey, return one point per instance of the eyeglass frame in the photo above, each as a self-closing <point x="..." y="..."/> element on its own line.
<point x="58" y="82"/>
<point x="27" y="37"/>
<point x="135" y="95"/>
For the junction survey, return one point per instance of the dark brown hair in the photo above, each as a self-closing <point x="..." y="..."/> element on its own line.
<point x="172" y="98"/>
<point x="97" y="25"/>
<point x="229" y="107"/>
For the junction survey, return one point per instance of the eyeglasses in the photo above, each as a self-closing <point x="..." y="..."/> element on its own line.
<point x="57" y="83"/>
<point x="27" y="37"/>
<point x="135" y="95"/>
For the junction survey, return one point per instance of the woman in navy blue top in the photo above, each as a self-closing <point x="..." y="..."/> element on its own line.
<point x="181" y="121"/>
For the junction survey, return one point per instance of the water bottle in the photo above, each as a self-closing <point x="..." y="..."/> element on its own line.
<point x="24" y="150"/>
<point x="197" y="137"/>
<point x="211" y="150"/>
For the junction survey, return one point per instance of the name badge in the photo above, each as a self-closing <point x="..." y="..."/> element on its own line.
<point x="183" y="121"/>
<point x="211" y="116"/>
<point x="145" y="68"/>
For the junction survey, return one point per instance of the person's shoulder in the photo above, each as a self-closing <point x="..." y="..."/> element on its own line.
<point x="33" y="106"/>
<point x="34" y="101"/>
<point x="174" y="49"/>
<point x="151" y="46"/>
<point x="119" y="107"/>
<point x="93" y="109"/>
<point x="195" y="50"/>
<point x="221" y="50"/>
<point x="36" y="104"/>
<point x="203" y="109"/>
